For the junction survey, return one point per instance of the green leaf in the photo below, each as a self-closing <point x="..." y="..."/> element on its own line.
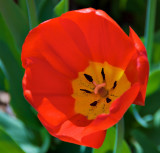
<point x="23" y="6"/>
<point x="156" y="53"/>
<point x="7" y="37"/>
<point x="137" y="146"/>
<point x="85" y="3"/>
<point x="14" y="128"/>
<point x="157" y="36"/>
<point x="32" y="13"/>
<point x="126" y="148"/>
<point x="152" y="104"/>
<point x="153" y="82"/>
<point x="45" y="9"/>
<point x="146" y="144"/>
<point x="157" y="119"/>
<point x="63" y="146"/>
<point x="2" y="79"/>
<point x="138" y="118"/>
<point x="15" y="19"/>
<point x="156" y="48"/>
<point x="149" y="27"/>
<point x="61" y="7"/>
<point x="8" y="145"/>
<point x="153" y="134"/>
<point x="46" y="139"/>
<point x="23" y="136"/>
<point x="4" y="73"/>
<point x="15" y="74"/>
<point x="50" y="9"/>
<point x="108" y="145"/>
<point x="123" y="4"/>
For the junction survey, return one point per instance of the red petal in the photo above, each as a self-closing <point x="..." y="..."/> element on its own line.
<point x="55" y="113"/>
<point x="143" y="72"/>
<point x="53" y="43"/>
<point x="137" y="42"/>
<point x="43" y="81"/>
<point x="106" y="40"/>
<point x="139" y="66"/>
<point x="94" y="140"/>
<point x="51" y="113"/>
<point x="74" y="134"/>
<point x="35" y="47"/>
<point x="41" y="78"/>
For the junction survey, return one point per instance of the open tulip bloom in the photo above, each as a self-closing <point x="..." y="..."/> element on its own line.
<point x="82" y="73"/>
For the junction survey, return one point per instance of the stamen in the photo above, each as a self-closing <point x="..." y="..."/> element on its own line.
<point x="102" y="72"/>
<point x="108" y="100"/>
<point x="115" y="84"/>
<point x="94" y="103"/>
<point x="87" y="91"/>
<point x="88" y="77"/>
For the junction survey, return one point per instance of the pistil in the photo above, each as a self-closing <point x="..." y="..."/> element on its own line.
<point x="101" y="90"/>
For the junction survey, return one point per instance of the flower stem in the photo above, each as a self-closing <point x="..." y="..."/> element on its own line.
<point x="149" y="27"/>
<point x="119" y="136"/>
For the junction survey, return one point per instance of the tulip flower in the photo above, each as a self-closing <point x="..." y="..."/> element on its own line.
<point x="82" y="73"/>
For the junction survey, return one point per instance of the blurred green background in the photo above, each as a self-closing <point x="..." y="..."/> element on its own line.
<point x="20" y="130"/>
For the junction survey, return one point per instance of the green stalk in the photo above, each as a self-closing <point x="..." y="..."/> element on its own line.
<point x="149" y="27"/>
<point x="119" y="136"/>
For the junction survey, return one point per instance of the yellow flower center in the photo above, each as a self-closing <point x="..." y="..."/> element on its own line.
<point x="97" y="87"/>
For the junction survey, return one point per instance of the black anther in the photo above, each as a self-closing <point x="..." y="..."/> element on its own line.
<point x="88" y="77"/>
<point x="108" y="100"/>
<point x="115" y="84"/>
<point x="94" y="103"/>
<point x="102" y="72"/>
<point x="87" y="91"/>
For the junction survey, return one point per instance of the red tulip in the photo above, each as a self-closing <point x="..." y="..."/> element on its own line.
<point x="82" y="73"/>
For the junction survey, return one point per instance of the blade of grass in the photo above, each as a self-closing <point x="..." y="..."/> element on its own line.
<point x="7" y="37"/>
<point x="14" y="74"/>
<point x="137" y="146"/>
<point x="149" y="27"/>
<point x="32" y="14"/>
<point x="8" y="144"/>
<point x="138" y="118"/>
<point x="22" y="4"/>
<point x="23" y="136"/>
<point x="15" y="20"/>
<point x="61" y="7"/>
